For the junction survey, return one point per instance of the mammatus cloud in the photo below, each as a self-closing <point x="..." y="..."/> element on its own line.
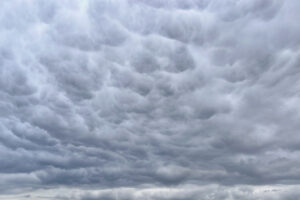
<point x="157" y="100"/>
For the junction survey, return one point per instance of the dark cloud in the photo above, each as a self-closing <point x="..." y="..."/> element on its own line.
<point x="158" y="100"/>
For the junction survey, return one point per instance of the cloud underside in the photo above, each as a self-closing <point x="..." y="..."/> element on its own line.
<point x="159" y="100"/>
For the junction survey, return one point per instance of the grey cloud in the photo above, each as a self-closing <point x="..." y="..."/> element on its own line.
<point x="210" y="192"/>
<point x="149" y="94"/>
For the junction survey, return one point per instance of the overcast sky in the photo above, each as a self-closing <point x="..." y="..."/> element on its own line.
<point x="149" y="99"/>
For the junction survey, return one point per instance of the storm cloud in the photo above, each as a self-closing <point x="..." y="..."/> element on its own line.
<point x="149" y="99"/>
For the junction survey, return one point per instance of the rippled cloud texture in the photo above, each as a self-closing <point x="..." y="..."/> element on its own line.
<point x="149" y="99"/>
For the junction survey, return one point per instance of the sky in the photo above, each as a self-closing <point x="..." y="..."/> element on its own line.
<point x="149" y="99"/>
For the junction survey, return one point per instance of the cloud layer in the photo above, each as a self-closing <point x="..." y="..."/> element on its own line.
<point x="157" y="99"/>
